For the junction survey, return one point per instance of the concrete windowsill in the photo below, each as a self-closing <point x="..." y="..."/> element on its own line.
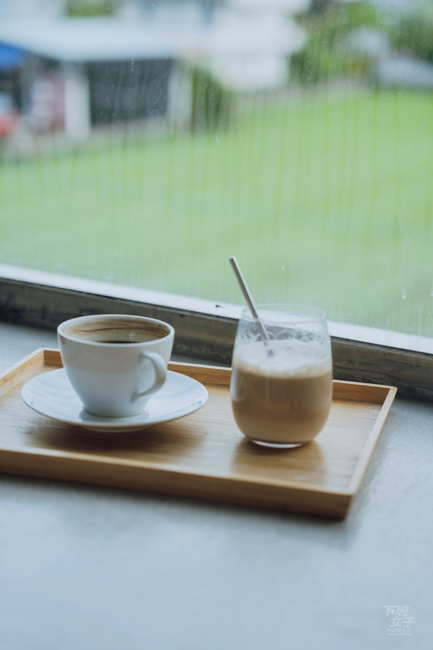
<point x="89" y="567"/>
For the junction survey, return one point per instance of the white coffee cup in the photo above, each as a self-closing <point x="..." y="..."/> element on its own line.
<point x="115" y="363"/>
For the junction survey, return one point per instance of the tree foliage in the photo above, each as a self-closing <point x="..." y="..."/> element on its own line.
<point x="90" y="8"/>
<point x="326" y="54"/>
<point x="412" y="34"/>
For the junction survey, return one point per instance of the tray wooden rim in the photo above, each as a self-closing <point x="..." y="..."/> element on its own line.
<point x="212" y="375"/>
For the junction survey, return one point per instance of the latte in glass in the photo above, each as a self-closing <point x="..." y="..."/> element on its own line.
<point x="282" y="392"/>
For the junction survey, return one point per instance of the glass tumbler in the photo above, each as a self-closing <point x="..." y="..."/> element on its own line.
<point x="281" y="391"/>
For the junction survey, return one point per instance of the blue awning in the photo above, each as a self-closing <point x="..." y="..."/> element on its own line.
<point x="10" y="56"/>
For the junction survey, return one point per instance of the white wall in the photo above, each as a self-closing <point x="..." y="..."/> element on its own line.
<point x="31" y="9"/>
<point x="253" y="42"/>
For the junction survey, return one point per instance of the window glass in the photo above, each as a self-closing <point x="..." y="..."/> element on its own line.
<point x="144" y="143"/>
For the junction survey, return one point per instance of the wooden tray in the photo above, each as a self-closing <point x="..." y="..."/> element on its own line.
<point x="203" y="454"/>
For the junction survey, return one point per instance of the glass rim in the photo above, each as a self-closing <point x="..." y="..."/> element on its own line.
<point x="319" y="313"/>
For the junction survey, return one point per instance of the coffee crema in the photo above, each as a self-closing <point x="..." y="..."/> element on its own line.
<point x="284" y="398"/>
<point x="128" y="329"/>
<point x="117" y="342"/>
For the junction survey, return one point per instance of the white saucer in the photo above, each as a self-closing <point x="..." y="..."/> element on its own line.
<point x="52" y="395"/>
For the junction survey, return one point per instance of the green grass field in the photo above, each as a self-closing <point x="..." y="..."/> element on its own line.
<point x="326" y="201"/>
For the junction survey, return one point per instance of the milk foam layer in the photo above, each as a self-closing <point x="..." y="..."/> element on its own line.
<point x="292" y="358"/>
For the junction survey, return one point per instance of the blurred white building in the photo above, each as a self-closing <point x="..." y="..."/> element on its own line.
<point x="79" y="72"/>
<point x="249" y="42"/>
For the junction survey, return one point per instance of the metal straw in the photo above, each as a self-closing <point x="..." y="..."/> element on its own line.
<point x="248" y="297"/>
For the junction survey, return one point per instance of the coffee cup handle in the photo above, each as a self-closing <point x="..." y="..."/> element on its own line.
<point x="160" y="371"/>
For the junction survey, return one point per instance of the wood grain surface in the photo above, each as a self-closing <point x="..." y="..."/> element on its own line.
<point x="201" y="455"/>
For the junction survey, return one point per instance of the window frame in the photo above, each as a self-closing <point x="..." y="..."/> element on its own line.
<point x="205" y="330"/>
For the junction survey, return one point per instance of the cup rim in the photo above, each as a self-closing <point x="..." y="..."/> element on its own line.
<point x="316" y="313"/>
<point x="102" y="317"/>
